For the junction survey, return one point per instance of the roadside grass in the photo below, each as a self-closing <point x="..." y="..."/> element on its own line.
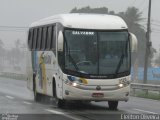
<point x="155" y="95"/>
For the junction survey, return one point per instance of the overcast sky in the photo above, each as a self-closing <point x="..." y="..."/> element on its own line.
<point x="24" y="12"/>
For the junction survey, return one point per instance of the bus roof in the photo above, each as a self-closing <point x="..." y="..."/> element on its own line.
<point x="84" y="21"/>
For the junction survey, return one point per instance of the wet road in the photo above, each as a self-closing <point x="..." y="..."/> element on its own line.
<point x="16" y="99"/>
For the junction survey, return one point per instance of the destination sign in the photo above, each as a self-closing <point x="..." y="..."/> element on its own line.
<point x="83" y="33"/>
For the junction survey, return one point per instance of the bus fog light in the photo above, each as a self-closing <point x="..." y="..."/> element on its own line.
<point x="120" y="85"/>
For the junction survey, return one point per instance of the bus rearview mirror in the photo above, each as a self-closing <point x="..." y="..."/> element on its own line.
<point x="133" y="42"/>
<point x="60" y="41"/>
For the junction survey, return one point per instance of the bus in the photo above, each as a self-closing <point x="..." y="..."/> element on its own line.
<point x="80" y="57"/>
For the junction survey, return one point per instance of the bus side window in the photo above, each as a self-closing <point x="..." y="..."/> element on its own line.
<point x="32" y="41"/>
<point x="30" y="36"/>
<point x="44" y="38"/>
<point x="35" y="39"/>
<point x="53" y="42"/>
<point x="39" y="39"/>
<point x="49" y="37"/>
<point x="36" y="45"/>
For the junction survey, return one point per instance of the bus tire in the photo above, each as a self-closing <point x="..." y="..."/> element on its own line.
<point x="37" y="96"/>
<point x="59" y="103"/>
<point x="113" y="105"/>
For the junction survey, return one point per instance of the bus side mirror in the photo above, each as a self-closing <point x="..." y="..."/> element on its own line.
<point x="60" y="41"/>
<point x="133" y="42"/>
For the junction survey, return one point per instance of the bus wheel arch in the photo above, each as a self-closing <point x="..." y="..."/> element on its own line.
<point x="59" y="103"/>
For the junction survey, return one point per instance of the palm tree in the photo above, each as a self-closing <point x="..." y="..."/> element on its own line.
<point x="132" y="17"/>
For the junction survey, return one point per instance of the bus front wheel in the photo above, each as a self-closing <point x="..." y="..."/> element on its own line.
<point x="59" y="103"/>
<point x="113" y="105"/>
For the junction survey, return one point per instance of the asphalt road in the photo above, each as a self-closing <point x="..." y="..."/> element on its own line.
<point x="16" y="99"/>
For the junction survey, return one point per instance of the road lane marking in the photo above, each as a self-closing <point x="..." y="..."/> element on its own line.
<point x="145" y="111"/>
<point x="28" y="103"/>
<point x="61" y="113"/>
<point x="10" y="97"/>
<point x="54" y="111"/>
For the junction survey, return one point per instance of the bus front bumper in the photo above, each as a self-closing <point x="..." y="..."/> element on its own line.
<point x="73" y="93"/>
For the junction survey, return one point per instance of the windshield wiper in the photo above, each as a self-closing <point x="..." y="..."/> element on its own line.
<point x="119" y="64"/>
<point x="121" y="59"/>
<point x="73" y="62"/>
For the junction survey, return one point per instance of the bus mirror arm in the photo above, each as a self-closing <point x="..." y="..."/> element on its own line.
<point x="60" y="41"/>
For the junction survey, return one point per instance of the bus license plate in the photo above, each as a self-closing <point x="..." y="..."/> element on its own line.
<point x="97" y="95"/>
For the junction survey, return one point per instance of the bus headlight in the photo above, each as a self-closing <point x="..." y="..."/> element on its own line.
<point x="74" y="84"/>
<point x="123" y="82"/>
<point x="120" y="85"/>
<point x="73" y="81"/>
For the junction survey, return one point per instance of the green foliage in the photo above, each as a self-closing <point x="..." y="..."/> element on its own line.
<point x="150" y="95"/>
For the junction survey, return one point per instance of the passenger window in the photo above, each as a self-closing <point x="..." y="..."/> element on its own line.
<point x="53" y="42"/>
<point x="35" y="39"/>
<point x="32" y="42"/>
<point x="49" y="37"/>
<point x="39" y="38"/>
<point x="30" y="38"/>
<point x="44" y="38"/>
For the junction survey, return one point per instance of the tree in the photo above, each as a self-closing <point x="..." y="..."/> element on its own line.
<point x="87" y="9"/>
<point x="16" y="54"/>
<point x="18" y="43"/>
<point x="133" y="17"/>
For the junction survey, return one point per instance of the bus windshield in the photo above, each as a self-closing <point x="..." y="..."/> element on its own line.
<point x="96" y="53"/>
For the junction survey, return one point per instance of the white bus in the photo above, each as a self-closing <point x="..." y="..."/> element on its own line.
<point x="81" y="57"/>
